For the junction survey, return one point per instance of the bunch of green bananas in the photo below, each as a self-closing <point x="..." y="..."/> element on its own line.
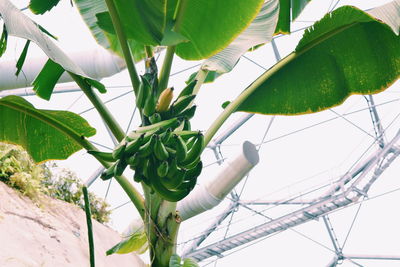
<point x="165" y="159"/>
<point x="165" y="154"/>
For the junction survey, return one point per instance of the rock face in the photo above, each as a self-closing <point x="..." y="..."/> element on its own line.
<point x="52" y="235"/>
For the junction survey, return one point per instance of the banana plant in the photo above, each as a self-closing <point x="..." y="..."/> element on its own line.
<point x="356" y="52"/>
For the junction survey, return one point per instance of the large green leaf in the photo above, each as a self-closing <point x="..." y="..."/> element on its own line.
<point x="145" y="20"/>
<point x="88" y="10"/>
<point x="42" y="6"/>
<point x="289" y="11"/>
<point x="347" y="52"/>
<point x="260" y="31"/>
<point x="212" y="25"/>
<point x="45" y="134"/>
<point x="19" y="25"/>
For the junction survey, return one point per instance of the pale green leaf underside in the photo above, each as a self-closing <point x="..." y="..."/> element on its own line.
<point x="212" y="25"/>
<point x="345" y="53"/>
<point x="20" y="25"/>
<point x="45" y="134"/>
<point x="260" y="31"/>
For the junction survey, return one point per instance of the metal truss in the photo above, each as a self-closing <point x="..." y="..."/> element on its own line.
<point x="346" y="191"/>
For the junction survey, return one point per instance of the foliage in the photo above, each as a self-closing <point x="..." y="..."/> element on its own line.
<point x="18" y="170"/>
<point x="164" y="151"/>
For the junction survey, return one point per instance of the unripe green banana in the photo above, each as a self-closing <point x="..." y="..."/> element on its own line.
<point x="196" y="171"/>
<point x="186" y="125"/>
<point x="140" y="97"/>
<point x="188" y="90"/>
<point x="138" y="177"/>
<point x="165" y="99"/>
<point x="190" y="165"/>
<point x="195" y="151"/>
<point x="103" y="155"/>
<point x="186" y="135"/>
<point x="169" y="195"/>
<point x="166" y="135"/>
<point x="108" y="174"/>
<point x="159" y="150"/>
<point x="155" y="118"/>
<point x="162" y="169"/>
<point x="171" y="123"/>
<point x="133" y="146"/>
<point x="189" y="113"/>
<point x="173" y="181"/>
<point x="146" y="149"/>
<point x="120" y="167"/>
<point x="145" y="167"/>
<point x="181" y="104"/>
<point x="150" y="106"/>
<point x="180" y="146"/>
<point x="134" y="161"/>
<point x="119" y="150"/>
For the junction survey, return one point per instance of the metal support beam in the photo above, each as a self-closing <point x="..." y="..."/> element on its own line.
<point x="196" y="243"/>
<point x="376" y="122"/>
<point x="373" y="257"/>
<point x="332" y="236"/>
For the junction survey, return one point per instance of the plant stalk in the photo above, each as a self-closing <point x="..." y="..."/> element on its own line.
<point x="89" y="225"/>
<point x="166" y="69"/>
<point x="116" y="21"/>
<point x="242" y="97"/>
<point x="100" y="107"/>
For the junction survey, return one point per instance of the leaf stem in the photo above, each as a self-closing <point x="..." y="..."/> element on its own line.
<point x="124" y="44"/>
<point x="166" y="68"/>
<point x="89" y="225"/>
<point x="242" y="97"/>
<point x="100" y="107"/>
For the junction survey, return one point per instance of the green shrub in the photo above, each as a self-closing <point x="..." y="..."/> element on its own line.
<point x="19" y="171"/>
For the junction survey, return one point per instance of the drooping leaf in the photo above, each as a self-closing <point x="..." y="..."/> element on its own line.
<point x="189" y="262"/>
<point x="289" y="11"/>
<point x="19" y="25"/>
<point x="88" y="10"/>
<point x="22" y="58"/>
<point x="175" y="261"/>
<point x="3" y="40"/>
<point x="45" y="134"/>
<point x="136" y="242"/>
<point x="259" y="32"/>
<point x="44" y="83"/>
<point x="210" y="26"/>
<point x="353" y="52"/>
<point x="42" y="6"/>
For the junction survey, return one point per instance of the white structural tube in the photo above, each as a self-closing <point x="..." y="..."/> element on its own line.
<point x="209" y="195"/>
<point x="97" y="63"/>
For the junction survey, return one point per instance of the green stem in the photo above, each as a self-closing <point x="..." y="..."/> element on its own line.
<point x="166" y="68"/>
<point x="200" y="77"/>
<point x="100" y="107"/>
<point x="124" y="44"/>
<point x="89" y="225"/>
<point x="242" y="97"/>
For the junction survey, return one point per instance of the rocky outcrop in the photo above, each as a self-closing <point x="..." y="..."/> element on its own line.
<point x="52" y="234"/>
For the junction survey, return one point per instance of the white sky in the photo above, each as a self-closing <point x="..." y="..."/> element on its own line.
<point x="288" y="166"/>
